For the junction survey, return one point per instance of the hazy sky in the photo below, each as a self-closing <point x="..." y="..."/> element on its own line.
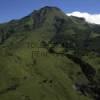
<point x="13" y="9"/>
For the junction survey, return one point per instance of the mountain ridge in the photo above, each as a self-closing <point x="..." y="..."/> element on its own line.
<point x="48" y="55"/>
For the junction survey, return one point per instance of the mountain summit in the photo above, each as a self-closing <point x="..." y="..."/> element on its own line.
<point x="48" y="55"/>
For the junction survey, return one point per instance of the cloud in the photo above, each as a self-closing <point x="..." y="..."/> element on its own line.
<point x="91" y="18"/>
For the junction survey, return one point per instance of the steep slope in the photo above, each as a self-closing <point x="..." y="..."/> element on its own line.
<point x="33" y="61"/>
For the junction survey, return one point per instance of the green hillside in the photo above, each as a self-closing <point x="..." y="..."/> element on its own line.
<point x="48" y="55"/>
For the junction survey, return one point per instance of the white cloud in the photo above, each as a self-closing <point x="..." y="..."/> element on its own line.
<point x="91" y="18"/>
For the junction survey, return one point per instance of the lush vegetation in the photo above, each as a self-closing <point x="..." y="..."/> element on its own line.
<point x="49" y="56"/>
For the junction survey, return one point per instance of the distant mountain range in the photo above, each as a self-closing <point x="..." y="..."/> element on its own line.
<point x="48" y="55"/>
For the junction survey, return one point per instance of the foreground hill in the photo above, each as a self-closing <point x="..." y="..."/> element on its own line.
<point x="48" y="55"/>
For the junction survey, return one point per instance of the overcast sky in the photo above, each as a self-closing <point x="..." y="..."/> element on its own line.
<point x="14" y="9"/>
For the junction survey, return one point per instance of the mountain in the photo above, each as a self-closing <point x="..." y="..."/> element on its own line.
<point x="48" y="55"/>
